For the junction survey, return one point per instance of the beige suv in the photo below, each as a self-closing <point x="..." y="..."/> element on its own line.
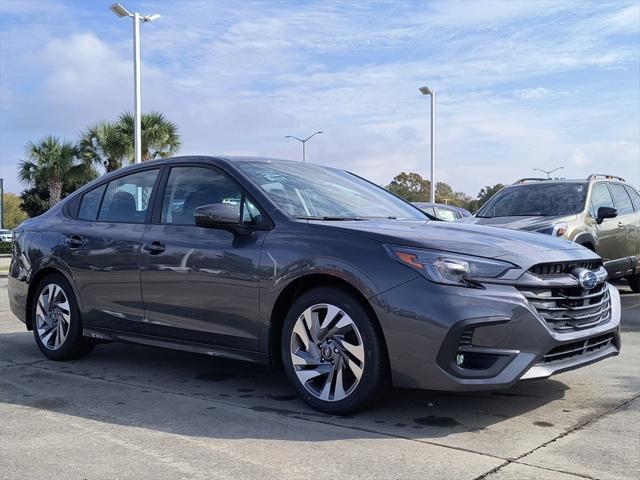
<point x="602" y="213"/>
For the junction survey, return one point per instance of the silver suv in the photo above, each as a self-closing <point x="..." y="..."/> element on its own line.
<point x="601" y="213"/>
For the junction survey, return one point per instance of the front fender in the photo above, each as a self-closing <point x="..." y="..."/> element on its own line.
<point x="585" y="237"/>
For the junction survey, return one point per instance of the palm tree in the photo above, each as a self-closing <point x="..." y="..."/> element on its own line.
<point x="51" y="162"/>
<point x="160" y="137"/>
<point x="105" y="143"/>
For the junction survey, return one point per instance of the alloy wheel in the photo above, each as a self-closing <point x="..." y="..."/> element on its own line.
<point x="53" y="316"/>
<point x="327" y="352"/>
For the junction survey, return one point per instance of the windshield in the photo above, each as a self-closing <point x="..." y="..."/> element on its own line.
<point x="545" y="200"/>
<point x="311" y="191"/>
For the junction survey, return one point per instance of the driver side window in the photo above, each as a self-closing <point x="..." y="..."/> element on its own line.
<point x="192" y="187"/>
<point x="600" y="197"/>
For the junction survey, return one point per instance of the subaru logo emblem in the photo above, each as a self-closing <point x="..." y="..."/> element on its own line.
<point x="586" y="278"/>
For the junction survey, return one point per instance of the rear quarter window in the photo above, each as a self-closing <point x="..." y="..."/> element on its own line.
<point x="90" y="203"/>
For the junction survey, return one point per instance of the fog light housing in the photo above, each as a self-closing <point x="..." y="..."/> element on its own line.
<point x="460" y="359"/>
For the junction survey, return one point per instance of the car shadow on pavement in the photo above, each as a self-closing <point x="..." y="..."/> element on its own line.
<point x="188" y="394"/>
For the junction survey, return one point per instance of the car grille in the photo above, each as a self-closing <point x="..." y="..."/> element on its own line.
<point x="581" y="347"/>
<point x="564" y="267"/>
<point x="570" y="308"/>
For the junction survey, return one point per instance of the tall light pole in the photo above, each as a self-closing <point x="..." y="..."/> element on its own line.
<point x="548" y="172"/>
<point x="432" y="93"/>
<point x="304" y="143"/>
<point x="121" y="12"/>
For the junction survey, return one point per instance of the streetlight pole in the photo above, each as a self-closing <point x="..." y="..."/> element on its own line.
<point x="548" y="172"/>
<point x="304" y="144"/>
<point x="121" y="12"/>
<point x="432" y="94"/>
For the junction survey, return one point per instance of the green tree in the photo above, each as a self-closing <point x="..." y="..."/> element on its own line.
<point x="444" y="193"/>
<point x="35" y="200"/>
<point x="13" y="214"/>
<point x="51" y="164"/>
<point x="106" y="143"/>
<point x="160" y="138"/>
<point x="410" y="186"/>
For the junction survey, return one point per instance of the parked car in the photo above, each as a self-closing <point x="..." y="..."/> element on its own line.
<point x="345" y="285"/>
<point x="601" y="213"/>
<point x="448" y="213"/>
<point x="6" y="236"/>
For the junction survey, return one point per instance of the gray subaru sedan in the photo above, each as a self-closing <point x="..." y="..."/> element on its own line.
<point x="311" y="269"/>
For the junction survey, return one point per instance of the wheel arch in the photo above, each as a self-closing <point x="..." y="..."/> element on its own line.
<point x="293" y="291"/>
<point x="35" y="281"/>
<point x="586" y="239"/>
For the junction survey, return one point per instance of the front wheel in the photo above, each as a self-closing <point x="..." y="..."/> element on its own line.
<point x="56" y="320"/>
<point x="333" y="352"/>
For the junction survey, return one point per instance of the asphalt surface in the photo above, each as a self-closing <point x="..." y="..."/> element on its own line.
<point x="137" y="412"/>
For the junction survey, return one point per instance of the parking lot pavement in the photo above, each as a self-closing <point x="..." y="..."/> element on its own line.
<point x="137" y="412"/>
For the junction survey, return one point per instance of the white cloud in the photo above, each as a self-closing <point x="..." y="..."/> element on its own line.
<point x="533" y="93"/>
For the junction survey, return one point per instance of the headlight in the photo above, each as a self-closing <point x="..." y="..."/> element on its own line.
<point x="449" y="268"/>
<point x="555" y="230"/>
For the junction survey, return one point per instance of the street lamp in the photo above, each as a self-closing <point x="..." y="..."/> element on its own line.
<point x="121" y="12"/>
<point x="432" y="93"/>
<point x="548" y="172"/>
<point x="304" y="143"/>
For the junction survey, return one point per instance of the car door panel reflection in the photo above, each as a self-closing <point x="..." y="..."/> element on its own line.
<point x="204" y="287"/>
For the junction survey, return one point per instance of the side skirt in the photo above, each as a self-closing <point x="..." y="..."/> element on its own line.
<point x="204" y="349"/>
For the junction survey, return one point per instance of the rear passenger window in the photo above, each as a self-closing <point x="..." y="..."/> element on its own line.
<point x="621" y="199"/>
<point x="600" y="197"/>
<point x="127" y="198"/>
<point x="635" y="198"/>
<point x="91" y="203"/>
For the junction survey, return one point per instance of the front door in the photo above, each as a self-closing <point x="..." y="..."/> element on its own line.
<point x="610" y="242"/>
<point x="101" y="247"/>
<point x="202" y="284"/>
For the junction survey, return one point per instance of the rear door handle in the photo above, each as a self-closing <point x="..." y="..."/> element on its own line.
<point x="154" y="248"/>
<point x="74" y="241"/>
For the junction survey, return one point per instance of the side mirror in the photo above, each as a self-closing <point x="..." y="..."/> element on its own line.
<point x="606" y="212"/>
<point x="217" y="215"/>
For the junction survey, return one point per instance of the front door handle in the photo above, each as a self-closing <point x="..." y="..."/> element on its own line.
<point x="620" y="225"/>
<point x="74" y="241"/>
<point x="154" y="248"/>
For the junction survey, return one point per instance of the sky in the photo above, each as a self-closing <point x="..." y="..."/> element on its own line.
<point x="519" y="84"/>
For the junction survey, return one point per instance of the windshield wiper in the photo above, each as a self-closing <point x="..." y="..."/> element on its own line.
<point x="329" y="218"/>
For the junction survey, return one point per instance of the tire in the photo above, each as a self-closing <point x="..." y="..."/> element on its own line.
<point x="634" y="282"/>
<point x="341" y="362"/>
<point x="57" y="328"/>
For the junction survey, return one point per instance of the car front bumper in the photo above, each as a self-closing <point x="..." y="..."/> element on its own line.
<point x="426" y="326"/>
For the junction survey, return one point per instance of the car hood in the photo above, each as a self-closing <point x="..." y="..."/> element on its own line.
<point x="457" y="237"/>
<point x="519" y="223"/>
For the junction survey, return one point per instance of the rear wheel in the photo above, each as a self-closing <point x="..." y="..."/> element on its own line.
<point x="634" y="282"/>
<point x="56" y="320"/>
<point x="333" y="352"/>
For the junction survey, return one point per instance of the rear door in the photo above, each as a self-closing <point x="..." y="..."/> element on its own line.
<point x="633" y="238"/>
<point x="101" y="246"/>
<point x="627" y="223"/>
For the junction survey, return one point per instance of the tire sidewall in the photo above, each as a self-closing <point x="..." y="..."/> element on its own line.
<point x="374" y="378"/>
<point x="74" y="337"/>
